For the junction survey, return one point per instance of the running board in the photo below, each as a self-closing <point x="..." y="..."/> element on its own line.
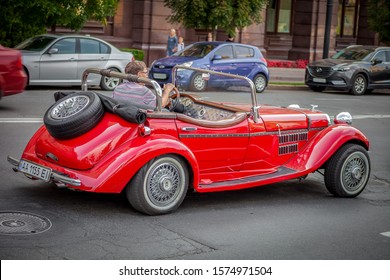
<point x="282" y="172"/>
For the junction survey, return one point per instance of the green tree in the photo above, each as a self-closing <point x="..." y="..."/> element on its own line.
<point x="24" y="18"/>
<point x="379" y="18"/>
<point x="229" y="15"/>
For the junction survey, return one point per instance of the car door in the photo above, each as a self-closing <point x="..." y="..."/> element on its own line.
<point x="244" y="60"/>
<point x="216" y="149"/>
<point x="58" y="65"/>
<point x="379" y="70"/>
<point x="223" y="59"/>
<point x="93" y="54"/>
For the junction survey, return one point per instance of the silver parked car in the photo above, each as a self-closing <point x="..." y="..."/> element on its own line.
<point x="61" y="60"/>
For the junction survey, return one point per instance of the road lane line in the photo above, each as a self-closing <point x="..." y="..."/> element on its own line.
<point x="387" y="234"/>
<point x="21" y="120"/>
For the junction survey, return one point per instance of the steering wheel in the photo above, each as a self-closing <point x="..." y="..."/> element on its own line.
<point x="174" y="102"/>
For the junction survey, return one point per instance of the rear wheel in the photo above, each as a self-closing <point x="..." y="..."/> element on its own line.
<point x="260" y="83"/>
<point x="359" y="85"/>
<point x="160" y="186"/>
<point x="109" y="83"/>
<point x="348" y="171"/>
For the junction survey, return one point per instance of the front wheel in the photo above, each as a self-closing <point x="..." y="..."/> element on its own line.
<point x="198" y="83"/>
<point x="160" y="186"/>
<point x="348" y="171"/>
<point x="359" y="85"/>
<point x="109" y="83"/>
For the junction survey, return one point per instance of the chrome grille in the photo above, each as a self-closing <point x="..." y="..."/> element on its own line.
<point x="293" y="137"/>
<point x="288" y="149"/>
<point x="320" y="71"/>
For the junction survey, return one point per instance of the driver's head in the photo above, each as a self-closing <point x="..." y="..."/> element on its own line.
<point x="138" y="68"/>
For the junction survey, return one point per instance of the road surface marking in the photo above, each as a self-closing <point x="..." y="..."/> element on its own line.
<point x="21" y="120"/>
<point x="387" y="234"/>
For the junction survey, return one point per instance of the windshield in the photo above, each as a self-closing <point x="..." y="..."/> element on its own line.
<point x="353" y="54"/>
<point x="35" y="43"/>
<point x="197" y="50"/>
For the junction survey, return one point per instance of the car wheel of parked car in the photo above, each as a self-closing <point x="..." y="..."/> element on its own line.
<point x="317" y="88"/>
<point x="110" y="83"/>
<point x="73" y="115"/>
<point x="159" y="187"/>
<point x="359" y="85"/>
<point x="197" y="83"/>
<point x="260" y="82"/>
<point x="348" y="171"/>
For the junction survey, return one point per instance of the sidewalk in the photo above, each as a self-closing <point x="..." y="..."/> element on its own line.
<point x="286" y="75"/>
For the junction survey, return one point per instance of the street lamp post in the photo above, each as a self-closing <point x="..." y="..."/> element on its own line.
<point x="328" y="22"/>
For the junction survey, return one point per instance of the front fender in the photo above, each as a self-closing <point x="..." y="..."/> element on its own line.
<point x="116" y="171"/>
<point x="323" y="145"/>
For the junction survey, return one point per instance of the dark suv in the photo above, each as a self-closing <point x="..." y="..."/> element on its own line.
<point x="359" y="69"/>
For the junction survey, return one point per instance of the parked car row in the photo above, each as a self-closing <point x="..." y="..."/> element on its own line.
<point x="61" y="59"/>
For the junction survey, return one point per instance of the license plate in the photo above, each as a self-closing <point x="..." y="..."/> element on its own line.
<point x="319" y="80"/>
<point x="35" y="170"/>
<point x="160" y="76"/>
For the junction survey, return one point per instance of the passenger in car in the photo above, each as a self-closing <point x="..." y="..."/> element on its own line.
<point x="138" y="92"/>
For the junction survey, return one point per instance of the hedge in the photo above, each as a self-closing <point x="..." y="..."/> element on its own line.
<point x="138" y="54"/>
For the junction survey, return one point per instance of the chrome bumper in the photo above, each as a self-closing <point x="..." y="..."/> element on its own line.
<point x="55" y="176"/>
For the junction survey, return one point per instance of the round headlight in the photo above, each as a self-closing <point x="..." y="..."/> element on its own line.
<point x="343" y="117"/>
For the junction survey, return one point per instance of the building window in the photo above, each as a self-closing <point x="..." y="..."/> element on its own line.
<point x="279" y="16"/>
<point x="347" y="18"/>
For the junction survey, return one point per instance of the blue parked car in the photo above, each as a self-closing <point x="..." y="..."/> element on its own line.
<point x="233" y="58"/>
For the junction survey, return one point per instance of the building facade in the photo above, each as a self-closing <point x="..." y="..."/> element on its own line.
<point x="292" y="29"/>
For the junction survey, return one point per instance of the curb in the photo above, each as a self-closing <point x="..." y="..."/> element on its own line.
<point x="286" y="87"/>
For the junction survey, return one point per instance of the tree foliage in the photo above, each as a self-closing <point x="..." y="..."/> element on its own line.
<point x="379" y="18"/>
<point x="24" y="18"/>
<point x="211" y="14"/>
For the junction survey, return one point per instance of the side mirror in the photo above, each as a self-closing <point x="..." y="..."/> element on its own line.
<point x="53" y="51"/>
<point x="217" y="57"/>
<point x="376" y="61"/>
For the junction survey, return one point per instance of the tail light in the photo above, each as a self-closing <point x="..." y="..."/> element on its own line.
<point x="19" y="64"/>
<point x="264" y="60"/>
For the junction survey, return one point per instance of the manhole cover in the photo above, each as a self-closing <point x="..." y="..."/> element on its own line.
<point x="21" y="223"/>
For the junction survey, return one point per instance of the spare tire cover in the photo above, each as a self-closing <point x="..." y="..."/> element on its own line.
<point x="73" y="115"/>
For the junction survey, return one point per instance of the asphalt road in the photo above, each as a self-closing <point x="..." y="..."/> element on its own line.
<point x="289" y="220"/>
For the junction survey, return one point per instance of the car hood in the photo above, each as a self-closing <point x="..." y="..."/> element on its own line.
<point x="330" y="62"/>
<point x="284" y="119"/>
<point x="171" y="61"/>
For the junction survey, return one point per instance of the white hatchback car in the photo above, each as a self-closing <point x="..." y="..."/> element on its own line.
<point x="61" y="60"/>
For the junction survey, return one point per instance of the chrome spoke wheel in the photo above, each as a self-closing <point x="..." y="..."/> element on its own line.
<point x="354" y="172"/>
<point x="160" y="186"/>
<point x="69" y="107"/>
<point x="198" y="83"/>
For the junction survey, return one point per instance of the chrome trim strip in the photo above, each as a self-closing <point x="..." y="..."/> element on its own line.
<point x="55" y="176"/>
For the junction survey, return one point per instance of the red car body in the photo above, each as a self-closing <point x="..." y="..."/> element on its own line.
<point x="13" y="80"/>
<point x="247" y="149"/>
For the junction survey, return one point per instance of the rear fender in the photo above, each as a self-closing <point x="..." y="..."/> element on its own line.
<point x="113" y="173"/>
<point x="323" y="145"/>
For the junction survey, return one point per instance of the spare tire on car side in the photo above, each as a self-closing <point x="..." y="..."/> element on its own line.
<point x="73" y="115"/>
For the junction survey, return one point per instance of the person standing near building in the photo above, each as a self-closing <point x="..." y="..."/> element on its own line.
<point x="172" y="42"/>
<point x="180" y="44"/>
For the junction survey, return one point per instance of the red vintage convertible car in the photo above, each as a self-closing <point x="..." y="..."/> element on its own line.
<point x="91" y="142"/>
